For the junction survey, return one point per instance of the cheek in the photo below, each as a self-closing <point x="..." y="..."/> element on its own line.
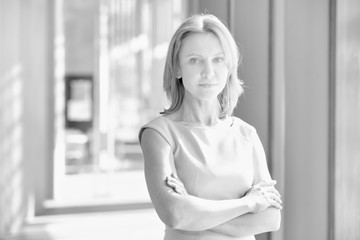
<point x="190" y="77"/>
<point x="223" y="74"/>
<point x="188" y="84"/>
<point x="191" y="72"/>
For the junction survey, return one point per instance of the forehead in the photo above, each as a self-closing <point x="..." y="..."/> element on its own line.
<point x="201" y="43"/>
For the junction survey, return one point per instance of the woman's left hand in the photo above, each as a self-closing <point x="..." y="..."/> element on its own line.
<point x="175" y="183"/>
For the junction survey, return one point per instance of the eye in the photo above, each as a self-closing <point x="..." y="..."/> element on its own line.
<point x="219" y="59"/>
<point x="194" y="60"/>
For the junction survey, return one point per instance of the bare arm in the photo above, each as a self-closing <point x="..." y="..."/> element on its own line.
<point x="263" y="220"/>
<point x="178" y="211"/>
<point x="251" y="223"/>
<point x="255" y="223"/>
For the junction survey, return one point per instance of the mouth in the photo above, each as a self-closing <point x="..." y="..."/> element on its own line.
<point x="207" y="85"/>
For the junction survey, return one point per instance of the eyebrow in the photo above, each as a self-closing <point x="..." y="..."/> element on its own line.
<point x="197" y="54"/>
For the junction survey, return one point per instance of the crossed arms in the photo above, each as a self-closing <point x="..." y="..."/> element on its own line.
<point x="256" y="212"/>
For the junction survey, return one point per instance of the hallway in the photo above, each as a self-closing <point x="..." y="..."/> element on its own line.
<point x="94" y="226"/>
<point x="79" y="77"/>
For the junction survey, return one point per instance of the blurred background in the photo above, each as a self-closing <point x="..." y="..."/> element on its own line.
<point x="79" y="77"/>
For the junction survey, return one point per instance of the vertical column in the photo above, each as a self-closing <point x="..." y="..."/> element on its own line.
<point x="346" y="178"/>
<point x="36" y="30"/>
<point x="277" y="101"/>
<point x="306" y="130"/>
<point x="59" y="97"/>
<point x="25" y="129"/>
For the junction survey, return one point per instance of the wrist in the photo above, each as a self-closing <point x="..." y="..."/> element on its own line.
<point x="249" y="203"/>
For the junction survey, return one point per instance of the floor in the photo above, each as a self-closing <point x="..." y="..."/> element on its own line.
<point x="120" y="225"/>
<point x="131" y="218"/>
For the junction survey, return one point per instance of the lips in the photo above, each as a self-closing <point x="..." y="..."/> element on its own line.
<point x="207" y="85"/>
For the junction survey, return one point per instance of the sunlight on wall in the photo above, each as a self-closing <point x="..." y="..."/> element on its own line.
<point x="11" y="162"/>
<point x="59" y="100"/>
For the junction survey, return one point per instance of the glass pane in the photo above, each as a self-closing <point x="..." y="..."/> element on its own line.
<point x="114" y="58"/>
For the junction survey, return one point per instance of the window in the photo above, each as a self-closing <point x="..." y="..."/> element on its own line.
<point x="109" y="60"/>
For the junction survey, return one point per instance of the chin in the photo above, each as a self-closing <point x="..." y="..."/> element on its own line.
<point x="208" y="97"/>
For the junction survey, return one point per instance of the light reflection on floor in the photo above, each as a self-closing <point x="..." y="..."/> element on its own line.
<point x="124" y="187"/>
<point x="121" y="225"/>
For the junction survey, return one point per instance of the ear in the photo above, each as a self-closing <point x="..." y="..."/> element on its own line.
<point x="178" y="74"/>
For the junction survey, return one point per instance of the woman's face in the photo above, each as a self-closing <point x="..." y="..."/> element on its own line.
<point x="203" y="66"/>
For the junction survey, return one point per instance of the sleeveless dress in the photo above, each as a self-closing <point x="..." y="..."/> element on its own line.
<point x="213" y="163"/>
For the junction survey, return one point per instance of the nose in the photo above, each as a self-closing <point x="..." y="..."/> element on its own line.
<point x="208" y="70"/>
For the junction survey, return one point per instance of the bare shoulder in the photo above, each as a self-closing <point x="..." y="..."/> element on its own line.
<point x="150" y="138"/>
<point x="158" y="129"/>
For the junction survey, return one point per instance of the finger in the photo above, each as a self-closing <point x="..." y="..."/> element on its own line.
<point x="275" y="204"/>
<point x="174" y="176"/>
<point x="176" y="186"/>
<point x="272" y="190"/>
<point x="172" y="183"/>
<point x="183" y="191"/>
<point x="178" y="190"/>
<point x="175" y="181"/>
<point x="274" y="201"/>
<point x="253" y="190"/>
<point x="275" y="198"/>
<point x="267" y="183"/>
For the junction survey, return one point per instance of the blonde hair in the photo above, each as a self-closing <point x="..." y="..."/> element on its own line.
<point x="174" y="88"/>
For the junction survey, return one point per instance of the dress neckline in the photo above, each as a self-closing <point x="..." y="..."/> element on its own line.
<point x="220" y="122"/>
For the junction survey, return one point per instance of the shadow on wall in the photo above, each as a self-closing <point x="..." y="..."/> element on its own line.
<point x="12" y="184"/>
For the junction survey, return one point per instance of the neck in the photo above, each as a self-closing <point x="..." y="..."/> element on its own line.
<point x="199" y="111"/>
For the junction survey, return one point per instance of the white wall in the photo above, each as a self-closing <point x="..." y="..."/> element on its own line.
<point x="25" y="145"/>
<point x="12" y="208"/>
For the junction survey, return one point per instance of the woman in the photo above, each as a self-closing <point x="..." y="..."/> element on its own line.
<point x="205" y="169"/>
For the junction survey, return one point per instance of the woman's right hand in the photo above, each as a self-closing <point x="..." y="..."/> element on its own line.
<point x="263" y="195"/>
<point x="176" y="184"/>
